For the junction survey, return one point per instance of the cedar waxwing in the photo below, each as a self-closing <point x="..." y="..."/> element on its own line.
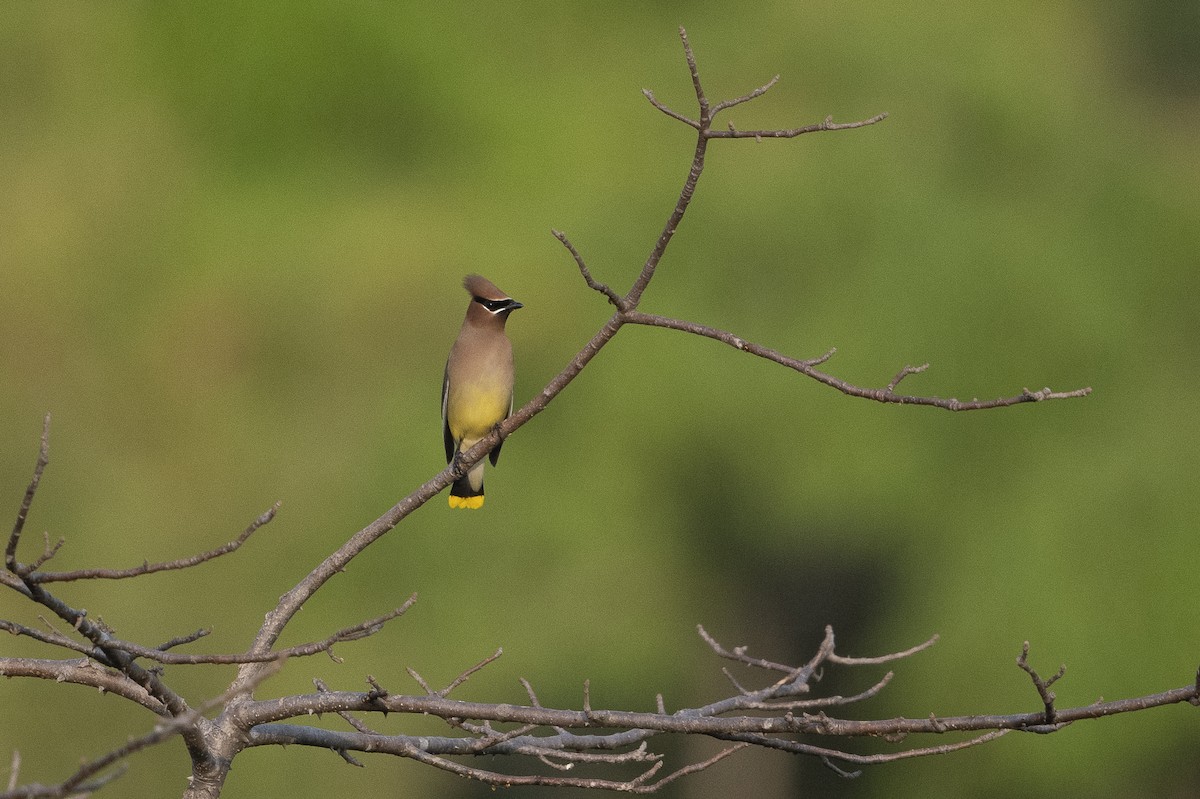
<point x="477" y="391"/>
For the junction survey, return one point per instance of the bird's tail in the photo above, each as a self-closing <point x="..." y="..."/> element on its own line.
<point x="467" y="491"/>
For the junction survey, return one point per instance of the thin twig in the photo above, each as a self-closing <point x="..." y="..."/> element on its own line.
<point x="729" y="675"/>
<point x="903" y="373"/>
<point x="54" y="637"/>
<point x="791" y="133"/>
<point x="91" y="776"/>
<point x="669" y="112"/>
<point x="739" y="654"/>
<point x="43" y="458"/>
<point x="798" y="747"/>
<point x="48" y="551"/>
<point x="696" y="767"/>
<point x="462" y="678"/>
<point x="775" y="706"/>
<point x="808" y="368"/>
<point x="612" y="296"/>
<point x="533" y="700"/>
<point x="183" y="639"/>
<point x="152" y="568"/>
<point x="849" y="775"/>
<point x="351" y="633"/>
<point x="701" y="99"/>
<point x="1042" y="685"/>
<point x="14" y="771"/>
<point x="419" y="680"/>
<point x="876" y="661"/>
<point x="346" y="716"/>
<point x="745" y="98"/>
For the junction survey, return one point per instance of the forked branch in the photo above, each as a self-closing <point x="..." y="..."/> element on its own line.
<point x="627" y="311"/>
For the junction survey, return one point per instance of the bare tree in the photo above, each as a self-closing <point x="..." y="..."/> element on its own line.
<point x="540" y="745"/>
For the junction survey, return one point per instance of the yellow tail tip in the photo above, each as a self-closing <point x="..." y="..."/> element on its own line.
<point x="466" y="502"/>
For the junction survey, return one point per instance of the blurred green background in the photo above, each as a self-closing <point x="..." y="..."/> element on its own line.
<point x="231" y="240"/>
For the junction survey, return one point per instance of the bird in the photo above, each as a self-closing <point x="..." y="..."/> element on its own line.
<point x="477" y="389"/>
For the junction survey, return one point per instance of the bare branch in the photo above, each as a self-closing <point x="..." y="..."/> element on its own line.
<point x="462" y="678"/>
<point x="565" y="758"/>
<point x="349" y="758"/>
<point x="99" y="634"/>
<point x="633" y="727"/>
<point x="67" y="790"/>
<point x="701" y="99"/>
<point x="826" y="753"/>
<point x="613" y="297"/>
<point x="43" y="458"/>
<point x="54" y="637"/>
<point x="791" y="133"/>
<point x="1042" y="685"/>
<point x="704" y="720"/>
<point x="808" y="368"/>
<point x="110" y="644"/>
<point x="183" y="640"/>
<point x="741" y="689"/>
<point x="420" y="681"/>
<point x="824" y="701"/>
<point x="745" y="98"/>
<point x="352" y="633"/>
<point x="428" y="750"/>
<point x="695" y="767"/>
<point x="833" y="657"/>
<point x="795" y="679"/>
<point x="14" y="771"/>
<point x="151" y="568"/>
<point x="849" y="775"/>
<point x="350" y="719"/>
<point x="739" y="653"/>
<point x="81" y="671"/>
<point x="533" y="700"/>
<point x="903" y="373"/>
<point x="92" y="775"/>
<point x="673" y="114"/>
<point x="48" y="551"/>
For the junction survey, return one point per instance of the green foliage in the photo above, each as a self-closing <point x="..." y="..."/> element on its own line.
<point x="232" y="241"/>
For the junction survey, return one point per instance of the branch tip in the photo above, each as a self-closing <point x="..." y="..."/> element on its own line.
<point x="613" y="298"/>
<point x="1042" y="686"/>
<point x="43" y="459"/>
<point x="466" y="675"/>
<point x="850" y="775"/>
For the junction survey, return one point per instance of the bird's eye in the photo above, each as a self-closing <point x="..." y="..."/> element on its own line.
<point x="492" y="305"/>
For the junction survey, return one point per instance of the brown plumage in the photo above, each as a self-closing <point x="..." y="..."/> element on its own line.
<point x="478" y="385"/>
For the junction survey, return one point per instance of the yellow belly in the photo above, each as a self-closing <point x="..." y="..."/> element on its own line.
<point x="475" y="410"/>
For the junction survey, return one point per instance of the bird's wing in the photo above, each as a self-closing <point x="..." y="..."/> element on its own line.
<point x="450" y="443"/>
